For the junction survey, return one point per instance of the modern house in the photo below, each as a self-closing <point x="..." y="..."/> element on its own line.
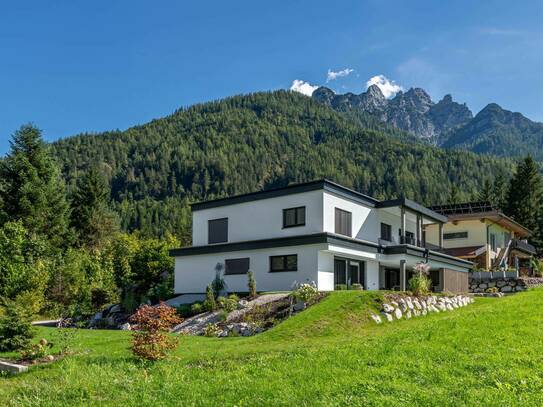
<point x="478" y="232"/>
<point x="317" y="231"/>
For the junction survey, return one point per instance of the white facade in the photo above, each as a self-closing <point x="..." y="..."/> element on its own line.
<point x="256" y="232"/>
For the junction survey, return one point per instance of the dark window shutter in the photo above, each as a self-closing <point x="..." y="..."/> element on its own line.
<point x="217" y="230"/>
<point x="236" y="266"/>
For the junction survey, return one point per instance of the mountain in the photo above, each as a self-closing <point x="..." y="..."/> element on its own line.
<point x="447" y="123"/>
<point x="500" y="132"/>
<point x="262" y="140"/>
<point x="412" y="111"/>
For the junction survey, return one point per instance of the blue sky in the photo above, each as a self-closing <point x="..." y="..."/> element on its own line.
<point x="74" y="66"/>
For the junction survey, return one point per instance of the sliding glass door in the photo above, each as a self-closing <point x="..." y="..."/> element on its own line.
<point x="348" y="272"/>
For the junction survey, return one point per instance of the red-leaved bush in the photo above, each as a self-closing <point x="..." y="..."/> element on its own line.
<point x="151" y="340"/>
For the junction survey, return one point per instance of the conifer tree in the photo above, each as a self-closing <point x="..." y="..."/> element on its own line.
<point x="525" y="194"/>
<point x="32" y="190"/>
<point x="486" y="193"/>
<point x="91" y="217"/>
<point x="500" y="192"/>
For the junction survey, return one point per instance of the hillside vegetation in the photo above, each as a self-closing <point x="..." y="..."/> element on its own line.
<point x="488" y="353"/>
<point x="261" y="140"/>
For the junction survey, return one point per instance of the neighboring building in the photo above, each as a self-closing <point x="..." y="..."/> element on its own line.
<point x="318" y="231"/>
<point x="478" y="232"/>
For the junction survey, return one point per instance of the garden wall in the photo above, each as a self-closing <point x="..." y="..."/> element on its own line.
<point x="503" y="285"/>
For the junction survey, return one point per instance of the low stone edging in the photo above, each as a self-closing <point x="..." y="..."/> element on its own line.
<point x="409" y="307"/>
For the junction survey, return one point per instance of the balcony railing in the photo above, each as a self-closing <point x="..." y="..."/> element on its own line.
<point x="411" y="241"/>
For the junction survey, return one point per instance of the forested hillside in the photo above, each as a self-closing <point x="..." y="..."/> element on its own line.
<point x="261" y="140"/>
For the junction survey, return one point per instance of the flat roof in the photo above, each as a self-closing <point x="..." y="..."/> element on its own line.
<point x="326" y="185"/>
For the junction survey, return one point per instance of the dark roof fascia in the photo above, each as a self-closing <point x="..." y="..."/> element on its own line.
<point x="408" y="203"/>
<point x="324" y="184"/>
<point x="419" y="251"/>
<point x="300" y="240"/>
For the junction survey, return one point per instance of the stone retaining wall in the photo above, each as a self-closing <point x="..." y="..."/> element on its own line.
<point x="500" y="285"/>
<point x="408" y="307"/>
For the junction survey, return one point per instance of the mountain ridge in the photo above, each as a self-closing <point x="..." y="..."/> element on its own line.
<point x="448" y="124"/>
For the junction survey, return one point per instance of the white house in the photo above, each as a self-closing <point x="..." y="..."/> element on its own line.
<point x="317" y="231"/>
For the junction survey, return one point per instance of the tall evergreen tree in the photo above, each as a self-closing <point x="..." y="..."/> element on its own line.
<point x="32" y="190"/>
<point x="454" y="195"/>
<point x="486" y="193"/>
<point x="500" y="192"/>
<point x="525" y="194"/>
<point x="91" y="217"/>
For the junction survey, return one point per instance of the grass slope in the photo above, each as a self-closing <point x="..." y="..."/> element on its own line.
<point x="489" y="353"/>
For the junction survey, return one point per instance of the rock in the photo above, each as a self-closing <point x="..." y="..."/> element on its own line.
<point x="455" y="305"/>
<point x="410" y="303"/>
<point x="403" y="306"/>
<point x="491" y="284"/>
<point x="242" y="304"/>
<point x="387" y="316"/>
<point x="223" y="334"/>
<point x="115" y="309"/>
<point x="125" y="327"/>
<point x="97" y="316"/>
<point x="299" y="306"/>
<point x="416" y="313"/>
<point x="501" y="283"/>
<point x="12" y="368"/>
<point x="398" y="313"/>
<point x="424" y="311"/>
<point x="483" y="286"/>
<point x="388" y="308"/>
<point x="449" y="307"/>
<point x="416" y="304"/>
<point x="506" y="289"/>
<point x="376" y="318"/>
<point x="408" y="314"/>
<point x="395" y="304"/>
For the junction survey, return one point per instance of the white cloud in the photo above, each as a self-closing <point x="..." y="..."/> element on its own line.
<point x="302" y="87"/>
<point x="338" y="74"/>
<point x="387" y="86"/>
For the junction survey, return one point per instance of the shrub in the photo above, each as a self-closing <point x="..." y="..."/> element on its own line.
<point x="196" y="308"/>
<point x="492" y="290"/>
<point x="152" y="341"/>
<point x="209" y="303"/>
<point x="211" y="330"/>
<point x="340" y="287"/>
<point x="228" y="304"/>
<point x="305" y="292"/>
<point x="357" y="287"/>
<point x="15" y="327"/>
<point x="36" y="351"/>
<point x="251" y="283"/>
<point x="218" y="284"/>
<point x="420" y="285"/>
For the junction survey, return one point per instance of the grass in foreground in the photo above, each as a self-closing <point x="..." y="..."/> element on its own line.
<point x="489" y="353"/>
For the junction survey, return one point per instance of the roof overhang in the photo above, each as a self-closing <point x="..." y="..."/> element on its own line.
<point x="496" y="217"/>
<point x="409" y="204"/>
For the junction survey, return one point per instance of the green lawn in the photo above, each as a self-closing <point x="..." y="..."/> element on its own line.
<point x="489" y="353"/>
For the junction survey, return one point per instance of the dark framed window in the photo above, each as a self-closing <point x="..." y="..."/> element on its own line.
<point x="284" y="263"/>
<point x="217" y="230"/>
<point x="343" y="222"/>
<point x="455" y="235"/>
<point x="293" y="217"/>
<point x="236" y="266"/>
<point x="386" y="232"/>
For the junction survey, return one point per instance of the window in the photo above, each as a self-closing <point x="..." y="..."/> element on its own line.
<point x="294" y="217"/>
<point x="455" y="235"/>
<point x="343" y="222"/>
<point x="284" y="263"/>
<point x="386" y="232"/>
<point x="217" y="230"/>
<point x="236" y="266"/>
<point x="493" y="242"/>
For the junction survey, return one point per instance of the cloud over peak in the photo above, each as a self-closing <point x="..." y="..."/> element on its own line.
<point x="302" y="87"/>
<point x="333" y="75"/>
<point x="387" y="86"/>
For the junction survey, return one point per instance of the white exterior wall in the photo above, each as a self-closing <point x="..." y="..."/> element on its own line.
<point x="395" y="222"/>
<point x="194" y="273"/>
<point x="261" y="219"/>
<point x="365" y="219"/>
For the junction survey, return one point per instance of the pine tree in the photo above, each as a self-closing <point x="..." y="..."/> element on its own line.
<point x="525" y="194"/>
<point x="486" y="193"/>
<point x="453" y="195"/>
<point x="91" y="217"/>
<point x="500" y="192"/>
<point x="32" y="190"/>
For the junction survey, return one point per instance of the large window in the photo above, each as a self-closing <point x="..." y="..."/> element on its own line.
<point x="386" y="232"/>
<point x="284" y="263"/>
<point x="217" y="230"/>
<point x="343" y="222"/>
<point x="455" y="235"/>
<point x="236" y="266"/>
<point x="294" y="217"/>
<point x="493" y="245"/>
